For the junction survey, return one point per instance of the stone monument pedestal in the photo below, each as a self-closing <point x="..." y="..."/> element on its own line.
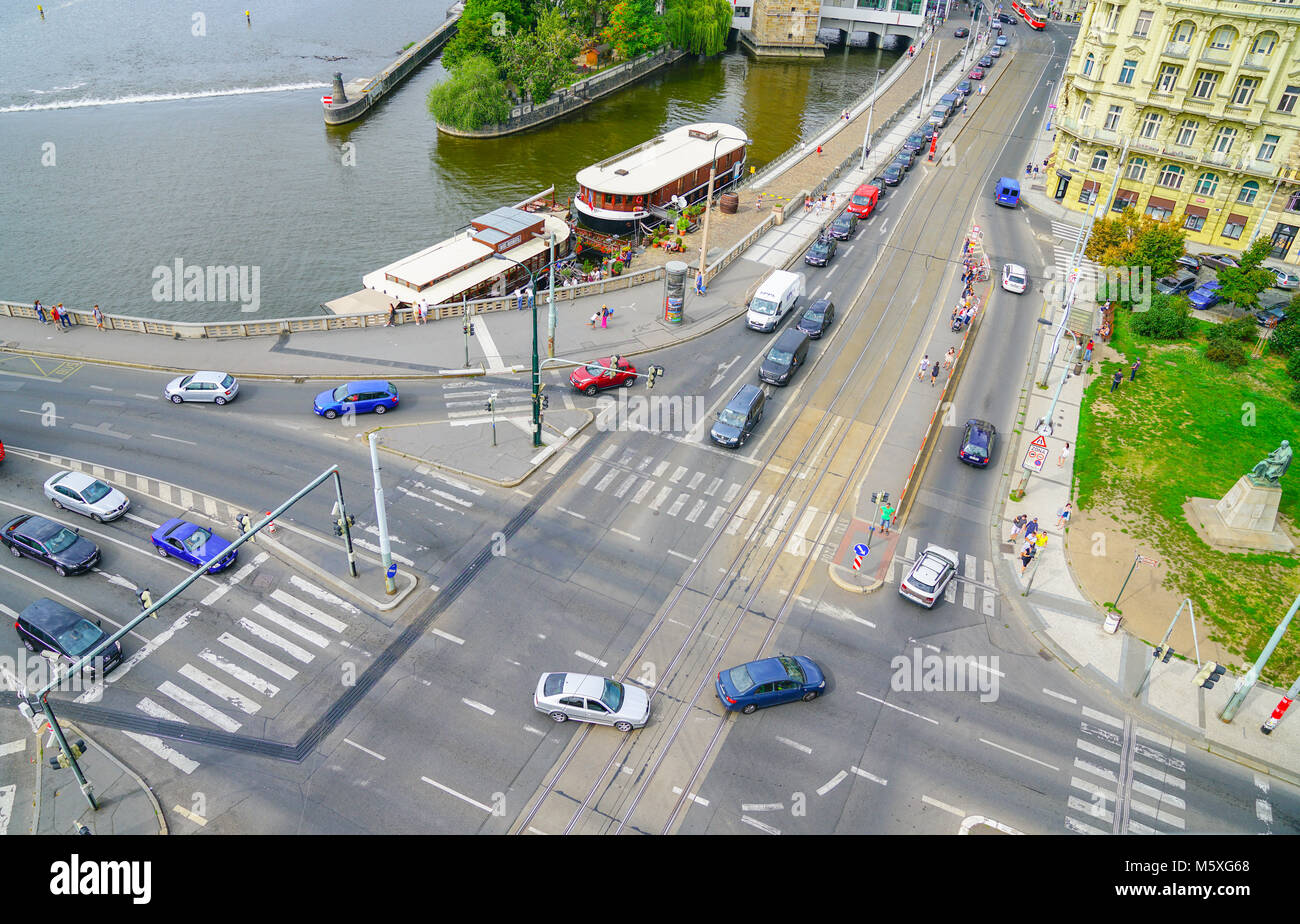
<point x="1244" y="518"/>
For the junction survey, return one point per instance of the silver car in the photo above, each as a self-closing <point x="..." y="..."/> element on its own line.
<point x="588" y="698"/>
<point x="930" y="575"/>
<point x="88" y="496"/>
<point x="217" y="387"/>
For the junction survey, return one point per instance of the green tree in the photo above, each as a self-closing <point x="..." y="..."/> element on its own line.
<point x="1240" y="286"/>
<point x="1168" y="319"/>
<point x="482" y="23"/>
<point x="539" y="60"/>
<point x="633" y="28"/>
<point x="1285" y="339"/>
<point x="1133" y="239"/>
<point x="698" y="26"/>
<point x="473" y="96"/>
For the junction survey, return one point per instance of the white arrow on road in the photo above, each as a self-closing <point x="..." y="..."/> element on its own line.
<point x="722" y="371"/>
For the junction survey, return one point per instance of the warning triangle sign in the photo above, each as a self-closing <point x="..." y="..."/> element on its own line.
<point x="1039" y="441"/>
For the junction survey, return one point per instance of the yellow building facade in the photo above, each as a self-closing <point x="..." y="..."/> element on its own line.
<point x="1206" y="95"/>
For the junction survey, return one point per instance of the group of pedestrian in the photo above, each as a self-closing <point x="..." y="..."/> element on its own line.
<point x="1119" y="374"/>
<point x="1034" y="537"/>
<point x="62" y="317"/>
<point x="603" y="315"/>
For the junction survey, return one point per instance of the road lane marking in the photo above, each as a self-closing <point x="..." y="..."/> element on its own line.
<point x="198" y="707"/>
<point x="794" y="744"/>
<point x="592" y="658"/>
<point x="451" y="792"/>
<point x="571" y="513"/>
<point x="993" y="744"/>
<point x="172" y="439"/>
<point x="624" y="534"/>
<point x="869" y="776"/>
<point x="899" y="708"/>
<point x="191" y="816"/>
<point x="255" y="655"/>
<point x="755" y="823"/>
<point x="234" y="670"/>
<point x="448" y="636"/>
<point x="762" y="806"/>
<point x="677" y="791"/>
<point x="1061" y="696"/>
<point x="943" y="805"/>
<point x="473" y="704"/>
<point x="832" y="782"/>
<point x="219" y="689"/>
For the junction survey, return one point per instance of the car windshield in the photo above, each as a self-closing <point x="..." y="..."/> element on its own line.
<point x="197" y="539"/>
<point x="60" y="540"/>
<point x="596" y="369"/>
<point x="843" y="222"/>
<point x="740" y="679"/>
<point x="731" y="418"/>
<point x="977" y="446"/>
<point x="79" y="638"/>
<point x="819" y="248"/>
<point x="860" y="200"/>
<point x="228" y="381"/>
<point x="780" y="357"/>
<point x="95" y="491"/>
<point x="792" y="668"/>
<point x="612" y="695"/>
<point x="1015" y="280"/>
<point x="340" y="393"/>
<point x="815" y="315"/>
<point x="762" y="306"/>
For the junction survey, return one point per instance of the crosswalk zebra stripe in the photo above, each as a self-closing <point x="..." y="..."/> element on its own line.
<point x="1158" y="774"/>
<point x="586" y="476"/>
<point x="1103" y="717"/>
<point x="284" y="622"/>
<point x="168" y="753"/>
<point x="642" y="491"/>
<point x="306" y="609"/>
<point x="713" y="487"/>
<point x="1091" y="809"/>
<point x="1079" y="827"/>
<point x="1106" y="774"/>
<point x="910" y="553"/>
<point x="731" y="492"/>
<point x="1089" y="748"/>
<point x="608" y="451"/>
<point x="797" y="544"/>
<point x="257" y="656"/>
<point x="234" y="670"/>
<point x="659" y="470"/>
<point x="758" y="518"/>
<point x="644" y="463"/>
<point x="627" y="483"/>
<point x="718" y="512"/>
<point x="677" y="475"/>
<point x="155" y="711"/>
<point x="678" y="503"/>
<point x="604" y="482"/>
<point x="695" y="481"/>
<point x="660" y="498"/>
<point x="1161" y="797"/>
<point x="699" y="508"/>
<point x="217" y="688"/>
<point x="1136" y="827"/>
<point x="323" y="595"/>
<point x="198" y="706"/>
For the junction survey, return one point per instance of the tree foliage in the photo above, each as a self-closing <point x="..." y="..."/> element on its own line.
<point x="698" y="26"/>
<point x="1168" y="319"/>
<point x="482" y="23"/>
<point x="1133" y="239"/>
<point x="1241" y="285"/>
<point x="1285" y="339"/>
<point x="473" y="96"/>
<point x="633" y="28"/>
<point x="537" y="61"/>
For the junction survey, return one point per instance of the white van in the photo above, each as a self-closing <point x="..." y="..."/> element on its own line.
<point x="777" y="295"/>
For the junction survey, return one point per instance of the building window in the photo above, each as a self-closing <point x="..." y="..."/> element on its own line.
<point x="1087" y="195"/>
<point x="1269" y="147"/>
<point x="1245" y="90"/>
<point x="1187" y="132"/>
<point x="1206" y="81"/>
<point x="1085" y="110"/>
<point x="742" y="12"/>
<point x="1112" y="17"/>
<point x="1249" y="190"/>
<point x="1072" y="154"/>
<point x="1112" y="118"/>
<point x="1171" y="176"/>
<point x="1287" y="103"/>
<point x="1293" y="202"/>
<point x="1224" y="139"/>
<point x="1194" y="223"/>
<point x="1087" y="66"/>
<point x="1137" y="168"/>
<point x="1151" y="124"/>
<point x="1143" y="24"/>
<point x="1168" y="77"/>
<point x="1127" y="71"/>
<point x="1222" y="38"/>
<point x="1206" y="184"/>
<point x="1184" y="31"/>
<point x="1264" y="43"/>
<point x="1158" y="213"/>
<point x="1232" y="230"/>
<point x="1099" y="159"/>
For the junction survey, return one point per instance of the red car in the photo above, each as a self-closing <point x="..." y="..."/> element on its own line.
<point x="594" y="376"/>
<point x="977" y="74"/>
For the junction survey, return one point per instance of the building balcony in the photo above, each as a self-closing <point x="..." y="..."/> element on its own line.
<point x="1216" y="57"/>
<point x="1178" y="49"/>
<point x="1256" y="62"/>
<point x="1147" y="145"/>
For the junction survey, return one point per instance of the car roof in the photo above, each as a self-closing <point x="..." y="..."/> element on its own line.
<point x="744" y="396"/>
<point x="1014" y="268"/>
<point x="766" y="670"/>
<point x="37" y="527"/>
<point x="365" y="384"/>
<point x="74" y="480"/>
<point x="947" y="554"/>
<point x="821" y="305"/>
<point x="209" y="376"/>
<point x="49" y="615"/>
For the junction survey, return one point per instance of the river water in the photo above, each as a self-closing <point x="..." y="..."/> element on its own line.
<point x="134" y="136"/>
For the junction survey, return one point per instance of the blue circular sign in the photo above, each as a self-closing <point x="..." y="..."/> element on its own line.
<point x="859" y="549"/>
<point x="392" y="570"/>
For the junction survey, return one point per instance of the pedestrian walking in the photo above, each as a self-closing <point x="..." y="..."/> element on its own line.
<point x="1040" y="540"/>
<point x="1063" y="516"/>
<point x="949" y="357"/>
<point x="99" y="317"/>
<point x="1016" y="526"/>
<point x="963" y="108"/>
<point x="934" y="373"/>
<point x="604" y="317"/>
<point x="845" y="115"/>
<point x="1065" y="454"/>
<point x="57" y="314"/>
<point x="392" y="315"/>
<point x="699" y="282"/>
<point x="1116" y="379"/>
<point x="1133" y="370"/>
<point x="807" y="204"/>
<point x="40" y="312"/>
<point x="1087" y="351"/>
<point x="886" y="516"/>
<point x="1031" y="528"/>
<point x="922" y="369"/>
<point x="1028" y="169"/>
<point x="819" y="150"/>
<point x="1027" y="555"/>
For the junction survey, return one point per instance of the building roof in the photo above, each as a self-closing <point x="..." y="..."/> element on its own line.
<point x="658" y="162"/>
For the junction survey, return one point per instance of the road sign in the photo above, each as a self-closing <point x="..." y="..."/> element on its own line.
<point x="1143" y="560"/>
<point x="860" y="549"/>
<point x="857" y="562"/>
<point x="1035" y="455"/>
<point x="392" y="571"/>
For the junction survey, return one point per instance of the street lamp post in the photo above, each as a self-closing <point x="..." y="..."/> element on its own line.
<point x="1045" y="425"/>
<point x="708" y="199"/>
<point x="537" y="372"/>
<point x="871" y="111"/>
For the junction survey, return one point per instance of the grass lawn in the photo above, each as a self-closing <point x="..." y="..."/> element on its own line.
<point x="1187" y="428"/>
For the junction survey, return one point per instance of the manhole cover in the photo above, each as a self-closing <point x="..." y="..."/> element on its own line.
<point x="263" y="582"/>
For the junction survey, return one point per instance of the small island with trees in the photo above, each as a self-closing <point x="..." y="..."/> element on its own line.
<point x="526" y="50"/>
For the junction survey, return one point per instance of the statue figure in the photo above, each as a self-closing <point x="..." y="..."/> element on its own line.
<point x="1272" y="468"/>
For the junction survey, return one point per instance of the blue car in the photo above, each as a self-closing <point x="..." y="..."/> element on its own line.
<point x="192" y="544"/>
<point x="358" y="397"/>
<point x="770" y="682"/>
<point x="1206" y="295"/>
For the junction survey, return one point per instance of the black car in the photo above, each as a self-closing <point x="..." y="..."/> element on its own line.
<point x="878" y="181"/>
<point x="821" y="252"/>
<point x="977" y="442"/>
<point x="1189" y="262"/>
<point x="893" y="174"/>
<point x="965" y="87"/>
<point x="917" y="140"/>
<point x="817" y="318"/>
<point x="844" y="227"/>
<point x="986" y="61"/>
<point x="1006" y="17"/>
<point x="48" y="626"/>
<point x="906" y="158"/>
<point x="962" y="32"/>
<point x="1265" y="317"/>
<point x="1180" y="283"/>
<point x="50" y="543"/>
<point x="995" y="52"/>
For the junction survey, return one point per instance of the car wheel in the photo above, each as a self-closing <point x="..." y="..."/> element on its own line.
<point x="590" y="391"/>
<point x="380" y="409"/>
<point x="97" y="518"/>
<point x="28" y="645"/>
<point x="748" y="708"/>
<point x="60" y="571"/>
<point x="160" y="550"/>
<point x="220" y="401"/>
<point x="559" y="718"/>
<point x="55" y="502"/>
<point x="809" y="696"/>
<point x="623" y="726"/>
<point x="177" y="399"/>
<point x="627" y="382"/>
<point x="331" y="414"/>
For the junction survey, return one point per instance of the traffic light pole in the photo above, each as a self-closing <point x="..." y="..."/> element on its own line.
<point x="537" y="371"/>
<point x="381" y="519"/>
<point x="1244" y="685"/>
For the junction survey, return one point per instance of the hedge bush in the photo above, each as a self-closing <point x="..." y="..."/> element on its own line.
<point x="1226" y="351"/>
<point x="1167" y="320"/>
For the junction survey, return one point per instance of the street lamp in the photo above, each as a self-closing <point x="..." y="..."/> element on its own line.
<point x="1044" y="427"/>
<point x="537" y="372"/>
<point x="708" y="199"/>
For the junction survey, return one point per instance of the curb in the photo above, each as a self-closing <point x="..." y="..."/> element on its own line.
<point x="148" y="791"/>
<point x="280" y="550"/>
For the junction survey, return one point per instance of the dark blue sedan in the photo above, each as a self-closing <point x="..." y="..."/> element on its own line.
<point x="770" y="682"/>
<point x="193" y="544"/>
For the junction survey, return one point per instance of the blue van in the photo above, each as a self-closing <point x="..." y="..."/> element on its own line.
<point x="1007" y="192"/>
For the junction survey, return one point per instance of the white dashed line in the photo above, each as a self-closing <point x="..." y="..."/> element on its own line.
<point x="625" y="535"/>
<point x="1061" y="696"/>
<point x="451" y="792"/>
<point x="592" y="658"/>
<point x="899" y="708"/>
<point x="755" y="823"/>
<point x="677" y="791"/>
<point x="479" y="706"/>
<point x="795" y="744"/>
<point x="834" y="781"/>
<point x="869" y="776"/>
<point x="374" y="754"/>
<point x="448" y="636"/>
<point x="1018" y="754"/>
<point x="943" y="805"/>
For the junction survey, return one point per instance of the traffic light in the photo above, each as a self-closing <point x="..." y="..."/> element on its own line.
<point x="544" y="400"/>
<point x="1163" y="653"/>
<point x="653" y="372"/>
<point x="64" y="760"/>
<point x="339" y="524"/>
<point x="469" y="328"/>
<point x="1209" y="674"/>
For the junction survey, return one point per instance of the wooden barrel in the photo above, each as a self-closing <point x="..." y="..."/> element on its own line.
<point x="728" y="202"/>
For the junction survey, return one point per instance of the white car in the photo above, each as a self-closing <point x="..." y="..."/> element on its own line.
<point x="1014" y="278"/>
<point x="1285" y="279"/>
<point x="929" y="577"/>
<point x="79" y="492"/>
<point x="217" y="387"/>
<point x="588" y="698"/>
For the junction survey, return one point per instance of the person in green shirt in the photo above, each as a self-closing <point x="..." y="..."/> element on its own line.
<point x="886" y="515"/>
